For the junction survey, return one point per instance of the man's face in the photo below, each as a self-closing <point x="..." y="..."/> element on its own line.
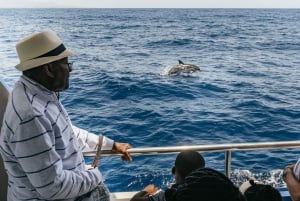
<point x="61" y="71"/>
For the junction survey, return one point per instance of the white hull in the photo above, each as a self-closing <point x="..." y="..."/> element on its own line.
<point x="122" y="196"/>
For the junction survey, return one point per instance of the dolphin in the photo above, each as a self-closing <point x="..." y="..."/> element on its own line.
<point x="183" y="68"/>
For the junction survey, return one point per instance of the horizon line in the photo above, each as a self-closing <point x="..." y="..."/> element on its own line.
<point x="153" y="7"/>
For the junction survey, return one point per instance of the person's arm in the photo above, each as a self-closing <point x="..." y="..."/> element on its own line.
<point x="89" y="141"/>
<point x="140" y="196"/>
<point x="292" y="183"/>
<point x="144" y="194"/>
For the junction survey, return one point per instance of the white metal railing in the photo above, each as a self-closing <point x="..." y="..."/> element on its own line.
<point x="228" y="148"/>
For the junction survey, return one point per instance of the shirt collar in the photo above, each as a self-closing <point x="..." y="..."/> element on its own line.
<point x="36" y="87"/>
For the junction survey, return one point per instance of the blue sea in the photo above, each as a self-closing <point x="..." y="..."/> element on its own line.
<point x="247" y="89"/>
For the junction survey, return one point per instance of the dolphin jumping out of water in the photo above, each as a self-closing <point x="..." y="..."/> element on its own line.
<point x="183" y="68"/>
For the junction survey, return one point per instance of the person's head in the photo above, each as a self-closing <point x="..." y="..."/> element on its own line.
<point x="185" y="163"/>
<point x="255" y="191"/>
<point x="204" y="184"/>
<point x="44" y="58"/>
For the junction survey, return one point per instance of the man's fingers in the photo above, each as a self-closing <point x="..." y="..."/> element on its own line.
<point x="126" y="156"/>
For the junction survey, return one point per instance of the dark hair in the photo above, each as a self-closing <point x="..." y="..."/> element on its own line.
<point x="262" y="192"/>
<point x="204" y="184"/>
<point x="188" y="161"/>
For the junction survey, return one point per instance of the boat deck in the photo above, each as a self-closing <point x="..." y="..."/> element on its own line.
<point x="122" y="196"/>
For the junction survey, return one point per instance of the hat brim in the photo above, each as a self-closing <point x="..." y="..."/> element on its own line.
<point x="29" y="64"/>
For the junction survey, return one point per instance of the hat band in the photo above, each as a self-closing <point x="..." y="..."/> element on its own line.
<point x="54" y="52"/>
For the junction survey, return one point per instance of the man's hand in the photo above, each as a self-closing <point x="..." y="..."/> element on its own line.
<point x="292" y="183"/>
<point x="150" y="189"/>
<point x="287" y="170"/>
<point x="122" y="148"/>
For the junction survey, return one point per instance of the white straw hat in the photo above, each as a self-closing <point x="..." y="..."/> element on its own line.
<point x="40" y="48"/>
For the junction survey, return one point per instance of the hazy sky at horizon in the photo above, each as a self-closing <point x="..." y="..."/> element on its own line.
<point x="150" y="3"/>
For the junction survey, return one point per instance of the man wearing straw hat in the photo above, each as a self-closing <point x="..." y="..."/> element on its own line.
<point x="41" y="149"/>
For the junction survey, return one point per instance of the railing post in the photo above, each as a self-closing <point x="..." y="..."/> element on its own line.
<point x="227" y="163"/>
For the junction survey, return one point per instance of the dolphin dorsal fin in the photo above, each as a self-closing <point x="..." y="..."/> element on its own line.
<point x="180" y="62"/>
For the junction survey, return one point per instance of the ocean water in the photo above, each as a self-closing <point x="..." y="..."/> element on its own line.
<point x="247" y="89"/>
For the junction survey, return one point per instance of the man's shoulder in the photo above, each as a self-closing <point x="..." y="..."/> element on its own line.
<point x="27" y="102"/>
<point x="20" y="107"/>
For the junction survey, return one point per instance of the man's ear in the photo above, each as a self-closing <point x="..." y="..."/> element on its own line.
<point x="49" y="70"/>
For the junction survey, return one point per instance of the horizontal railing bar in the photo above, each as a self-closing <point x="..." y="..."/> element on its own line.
<point x="205" y="148"/>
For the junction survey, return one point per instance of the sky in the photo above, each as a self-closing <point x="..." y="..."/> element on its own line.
<point x="149" y="3"/>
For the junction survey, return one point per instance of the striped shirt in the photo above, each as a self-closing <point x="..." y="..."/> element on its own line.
<point x="42" y="150"/>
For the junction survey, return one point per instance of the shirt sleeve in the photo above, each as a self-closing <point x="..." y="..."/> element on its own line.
<point x="89" y="141"/>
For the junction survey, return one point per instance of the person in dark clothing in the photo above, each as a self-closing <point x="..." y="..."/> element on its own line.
<point x="185" y="163"/>
<point x="255" y="191"/>
<point x="204" y="184"/>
